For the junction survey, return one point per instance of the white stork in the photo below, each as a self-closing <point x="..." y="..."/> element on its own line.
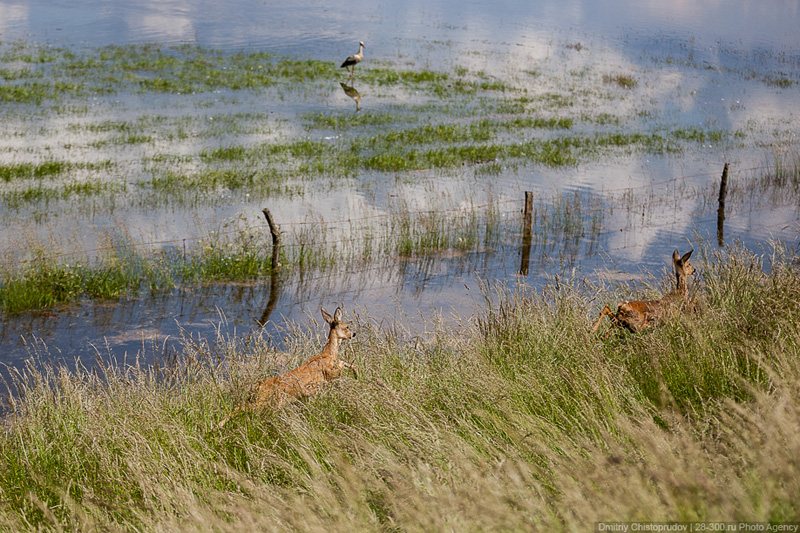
<point x="351" y="61"/>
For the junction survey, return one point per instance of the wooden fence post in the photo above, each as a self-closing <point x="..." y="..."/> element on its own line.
<point x="527" y="233"/>
<point x="274" y="276"/>
<point x="723" y="191"/>
<point x="275" y="230"/>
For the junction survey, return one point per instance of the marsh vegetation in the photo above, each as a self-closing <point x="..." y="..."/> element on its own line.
<point x="201" y="148"/>
<point x="567" y="226"/>
<point x="517" y="418"/>
<point x="141" y="297"/>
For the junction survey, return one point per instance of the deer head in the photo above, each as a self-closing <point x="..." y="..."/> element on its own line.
<point x="339" y="329"/>
<point x="683" y="268"/>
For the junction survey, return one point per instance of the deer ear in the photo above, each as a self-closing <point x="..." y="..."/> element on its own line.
<point x="337" y="315"/>
<point x="687" y="255"/>
<point x="326" y="315"/>
<point x="676" y="256"/>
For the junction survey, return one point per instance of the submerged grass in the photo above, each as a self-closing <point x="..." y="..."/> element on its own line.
<point x="497" y="123"/>
<point x="35" y="74"/>
<point x="47" y="169"/>
<point x="419" y="148"/>
<point x="125" y="270"/>
<point x="516" y="419"/>
<point x="51" y="169"/>
<point x="555" y="151"/>
<point x="44" y="284"/>
<point x="240" y="252"/>
<point x="420" y="234"/>
<point x="350" y="121"/>
<point x="626" y="81"/>
<point x="38" y="193"/>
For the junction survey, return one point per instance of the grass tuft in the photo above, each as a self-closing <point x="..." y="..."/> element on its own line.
<point x="625" y="81"/>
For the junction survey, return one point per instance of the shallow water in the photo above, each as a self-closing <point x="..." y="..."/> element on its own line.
<point x="733" y="67"/>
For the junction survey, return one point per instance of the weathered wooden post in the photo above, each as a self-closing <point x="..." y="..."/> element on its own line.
<point x="723" y="191"/>
<point x="274" y="276"/>
<point x="275" y="230"/>
<point x="527" y="233"/>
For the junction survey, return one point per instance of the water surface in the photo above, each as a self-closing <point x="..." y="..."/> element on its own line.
<point x="732" y="67"/>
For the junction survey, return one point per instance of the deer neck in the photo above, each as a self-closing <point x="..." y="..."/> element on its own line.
<point x="331" y="348"/>
<point x="682" y="289"/>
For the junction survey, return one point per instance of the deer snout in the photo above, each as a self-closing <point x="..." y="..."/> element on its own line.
<point x="345" y="334"/>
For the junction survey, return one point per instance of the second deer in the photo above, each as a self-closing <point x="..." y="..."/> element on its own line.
<point x="636" y="315"/>
<point x="306" y="379"/>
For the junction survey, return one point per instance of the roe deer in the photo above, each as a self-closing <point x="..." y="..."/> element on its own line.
<point x="635" y="315"/>
<point x="306" y="379"/>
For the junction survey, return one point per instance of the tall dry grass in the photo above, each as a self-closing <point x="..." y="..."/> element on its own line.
<point x="519" y="419"/>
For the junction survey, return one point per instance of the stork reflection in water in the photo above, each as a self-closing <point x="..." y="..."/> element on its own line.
<point x="351" y="91"/>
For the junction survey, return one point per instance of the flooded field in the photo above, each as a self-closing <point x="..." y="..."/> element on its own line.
<point x="141" y="144"/>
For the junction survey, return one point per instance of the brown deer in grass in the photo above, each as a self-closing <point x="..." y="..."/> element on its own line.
<point x="306" y="379"/>
<point x="636" y="315"/>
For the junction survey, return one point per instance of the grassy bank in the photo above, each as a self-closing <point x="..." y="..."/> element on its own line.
<point x="518" y="419"/>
